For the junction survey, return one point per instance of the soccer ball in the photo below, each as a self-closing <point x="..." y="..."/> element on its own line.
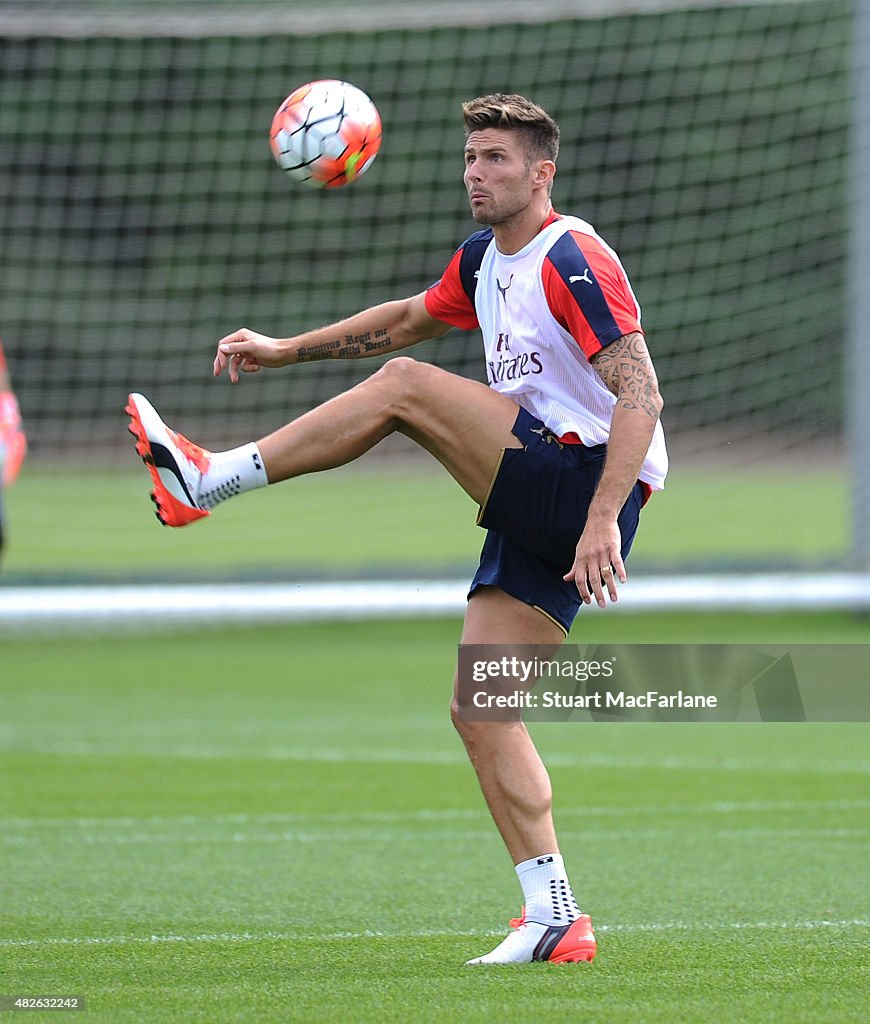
<point x="326" y="133"/>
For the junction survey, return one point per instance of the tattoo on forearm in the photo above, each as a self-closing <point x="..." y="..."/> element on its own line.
<point x="312" y="352"/>
<point x="348" y="347"/>
<point x="627" y="371"/>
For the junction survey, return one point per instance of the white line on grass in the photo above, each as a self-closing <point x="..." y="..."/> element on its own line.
<point x="392" y="835"/>
<point x="429" y="814"/>
<point x="235" y="937"/>
<point x="136" y="747"/>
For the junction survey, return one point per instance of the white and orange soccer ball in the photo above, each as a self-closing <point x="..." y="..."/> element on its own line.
<point x="326" y="133"/>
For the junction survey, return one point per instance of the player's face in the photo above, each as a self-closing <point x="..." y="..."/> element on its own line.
<point x="498" y="175"/>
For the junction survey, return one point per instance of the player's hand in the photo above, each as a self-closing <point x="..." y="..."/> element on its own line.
<point x="246" y="351"/>
<point x="598" y="562"/>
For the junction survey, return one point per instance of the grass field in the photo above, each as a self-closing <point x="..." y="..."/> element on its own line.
<point x="400" y="520"/>
<point x="279" y="824"/>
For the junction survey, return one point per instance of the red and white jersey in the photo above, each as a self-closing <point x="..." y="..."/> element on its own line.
<point x="543" y="312"/>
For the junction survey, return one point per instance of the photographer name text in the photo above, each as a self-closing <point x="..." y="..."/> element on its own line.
<point x="598" y="701"/>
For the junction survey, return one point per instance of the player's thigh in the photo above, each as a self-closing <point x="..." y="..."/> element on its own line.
<point x="494" y="617"/>
<point x="463" y="423"/>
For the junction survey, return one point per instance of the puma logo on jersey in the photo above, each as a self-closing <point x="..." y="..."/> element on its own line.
<point x="580" y="277"/>
<point x="502" y="290"/>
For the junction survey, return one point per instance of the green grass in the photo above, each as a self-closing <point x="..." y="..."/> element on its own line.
<point x="279" y="824"/>
<point x="342" y="521"/>
<point x="357" y="521"/>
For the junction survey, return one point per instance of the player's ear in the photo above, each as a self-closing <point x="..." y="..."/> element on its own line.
<point x="545" y="171"/>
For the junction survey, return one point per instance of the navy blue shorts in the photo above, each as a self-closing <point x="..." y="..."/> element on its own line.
<point x="534" y="514"/>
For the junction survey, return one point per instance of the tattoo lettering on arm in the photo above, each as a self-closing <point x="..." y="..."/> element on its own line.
<point x="312" y="352"/>
<point x="627" y="371"/>
<point x="347" y="347"/>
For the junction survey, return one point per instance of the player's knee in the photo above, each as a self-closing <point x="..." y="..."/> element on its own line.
<point x="398" y="368"/>
<point x="407" y="377"/>
<point x="391" y="376"/>
<point x="455" y="717"/>
<point x="465" y="728"/>
<point x="400" y="373"/>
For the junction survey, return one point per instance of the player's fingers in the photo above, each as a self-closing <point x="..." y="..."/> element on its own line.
<point x="579" y="574"/>
<point x="238" y="341"/>
<point x="595" y="577"/>
<point x="608" y="577"/>
<point x="582" y="582"/>
<point x="232" y="348"/>
<point x="243" y="334"/>
<point x="241" y="362"/>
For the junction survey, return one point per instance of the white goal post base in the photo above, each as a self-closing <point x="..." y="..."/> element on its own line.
<point x="154" y="606"/>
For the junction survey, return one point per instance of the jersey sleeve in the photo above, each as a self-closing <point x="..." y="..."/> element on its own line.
<point x="452" y="298"/>
<point x="447" y="300"/>
<point x="588" y="292"/>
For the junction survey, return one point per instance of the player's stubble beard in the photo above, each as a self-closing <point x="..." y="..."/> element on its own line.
<point x="496" y="213"/>
<point x="500" y="211"/>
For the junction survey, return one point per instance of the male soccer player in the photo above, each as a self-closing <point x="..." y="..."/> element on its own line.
<point x="13" y="442"/>
<point x="559" y="451"/>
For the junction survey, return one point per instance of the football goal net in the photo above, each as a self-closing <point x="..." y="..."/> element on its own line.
<point x="142" y="217"/>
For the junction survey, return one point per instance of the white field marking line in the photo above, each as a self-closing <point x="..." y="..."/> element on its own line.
<point x="134" y="747"/>
<point x="702" y="926"/>
<point x="268" y="936"/>
<point x="137" y="748"/>
<point x="392" y="835"/>
<point x="726" y="764"/>
<point x="430" y="814"/>
<point x="239" y="838"/>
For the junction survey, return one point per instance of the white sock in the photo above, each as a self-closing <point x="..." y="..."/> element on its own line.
<point x="231" y="473"/>
<point x="547" y="891"/>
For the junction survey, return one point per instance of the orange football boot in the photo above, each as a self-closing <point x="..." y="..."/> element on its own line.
<point x="176" y="464"/>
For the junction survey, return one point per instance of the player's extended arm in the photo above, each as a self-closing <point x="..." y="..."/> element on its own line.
<point x="626" y="368"/>
<point x="385" y="328"/>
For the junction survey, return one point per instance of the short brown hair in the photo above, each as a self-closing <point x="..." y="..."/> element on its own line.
<point x="512" y="111"/>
